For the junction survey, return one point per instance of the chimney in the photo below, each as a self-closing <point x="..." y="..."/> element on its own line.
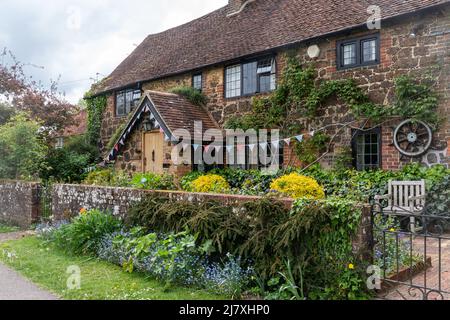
<point x="237" y="6"/>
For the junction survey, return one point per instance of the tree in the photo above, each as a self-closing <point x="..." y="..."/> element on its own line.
<point x="22" y="148"/>
<point x="6" y="112"/>
<point x="69" y="163"/>
<point x="24" y="94"/>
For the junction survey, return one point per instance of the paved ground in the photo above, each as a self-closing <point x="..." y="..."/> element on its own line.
<point x="437" y="278"/>
<point x="15" y="287"/>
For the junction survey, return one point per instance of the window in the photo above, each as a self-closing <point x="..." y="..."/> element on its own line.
<point x="358" y="52"/>
<point x="197" y="82"/>
<point x="349" y="54"/>
<point x="126" y="101"/>
<point x="249" y="78"/>
<point x="367" y="149"/>
<point x="233" y="81"/>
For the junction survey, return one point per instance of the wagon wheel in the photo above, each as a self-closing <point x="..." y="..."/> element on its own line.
<point x="413" y="138"/>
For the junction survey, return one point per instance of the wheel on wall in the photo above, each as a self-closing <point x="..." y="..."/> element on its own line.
<point x="413" y="138"/>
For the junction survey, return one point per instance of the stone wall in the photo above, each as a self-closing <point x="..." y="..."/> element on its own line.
<point x="401" y="53"/>
<point x="19" y="203"/>
<point x="67" y="200"/>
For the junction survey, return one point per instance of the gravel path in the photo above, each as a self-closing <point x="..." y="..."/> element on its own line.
<point x="13" y="286"/>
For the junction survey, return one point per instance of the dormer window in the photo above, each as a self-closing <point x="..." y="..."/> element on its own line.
<point x="358" y="52"/>
<point x="126" y="101"/>
<point x="258" y="76"/>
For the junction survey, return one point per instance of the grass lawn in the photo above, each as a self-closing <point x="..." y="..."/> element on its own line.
<point x="46" y="267"/>
<point x="7" y="229"/>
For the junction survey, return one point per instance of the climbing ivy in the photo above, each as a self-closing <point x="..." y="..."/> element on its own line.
<point x="300" y="94"/>
<point x="95" y="107"/>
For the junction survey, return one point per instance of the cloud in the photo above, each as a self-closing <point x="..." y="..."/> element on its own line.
<point x="81" y="40"/>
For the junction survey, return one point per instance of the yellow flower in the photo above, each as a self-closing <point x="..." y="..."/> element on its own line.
<point x="210" y="183"/>
<point x="83" y="211"/>
<point x="392" y="230"/>
<point x="297" y="186"/>
<point x="351" y="266"/>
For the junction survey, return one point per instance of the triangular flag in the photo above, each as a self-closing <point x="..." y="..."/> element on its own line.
<point x="252" y="147"/>
<point x="161" y="130"/>
<point x="195" y="146"/>
<point x="299" y="138"/>
<point x="152" y="116"/>
<point x="275" y="143"/>
<point x="122" y="142"/>
<point x="263" y="145"/>
<point x="312" y="133"/>
<point x="287" y="141"/>
<point x="166" y="137"/>
<point x="207" y="148"/>
<point x="230" y="148"/>
<point x="240" y="147"/>
<point x="116" y="147"/>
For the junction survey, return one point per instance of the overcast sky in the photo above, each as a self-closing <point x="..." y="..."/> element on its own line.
<point x="79" y="38"/>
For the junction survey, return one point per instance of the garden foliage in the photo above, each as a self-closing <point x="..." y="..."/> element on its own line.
<point x="315" y="237"/>
<point x="173" y="258"/>
<point x="22" y="148"/>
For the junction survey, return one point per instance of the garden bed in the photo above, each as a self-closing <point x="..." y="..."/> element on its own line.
<point x="46" y="266"/>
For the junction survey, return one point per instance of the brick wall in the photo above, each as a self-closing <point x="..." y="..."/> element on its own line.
<point x="19" y="203"/>
<point x="426" y="52"/>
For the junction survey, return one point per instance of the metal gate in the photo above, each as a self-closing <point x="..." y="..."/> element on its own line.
<point x="412" y="251"/>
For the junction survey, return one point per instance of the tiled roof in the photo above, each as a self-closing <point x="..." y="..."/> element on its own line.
<point x="79" y="127"/>
<point x="178" y="113"/>
<point x="261" y="26"/>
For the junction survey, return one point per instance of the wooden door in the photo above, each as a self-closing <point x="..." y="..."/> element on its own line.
<point x="153" y="152"/>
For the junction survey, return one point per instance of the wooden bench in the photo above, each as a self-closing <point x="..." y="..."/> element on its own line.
<point x="404" y="197"/>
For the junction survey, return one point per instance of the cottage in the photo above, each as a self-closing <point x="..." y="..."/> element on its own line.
<point x="240" y="51"/>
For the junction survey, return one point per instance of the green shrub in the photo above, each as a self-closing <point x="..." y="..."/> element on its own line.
<point x="439" y="198"/>
<point x="108" y="177"/>
<point x="84" y="234"/>
<point x="101" y="177"/>
<point x="194" y="96"/>
<point x="69" y="163"/>
<point x="23" y="149"/>
<point x="186" y="180"/>
<point x="316" y="237"/>
<point x="153" y="181"/>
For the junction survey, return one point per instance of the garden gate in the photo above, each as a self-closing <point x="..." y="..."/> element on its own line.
<point x="414" y="260"/>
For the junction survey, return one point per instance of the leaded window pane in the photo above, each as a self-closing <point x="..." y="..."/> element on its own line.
<point x="349" y="51"/>
<point x="249" y="78"/>
<point x="265" y="84"/>
<point x="367" y="153"/>
<point x="370" y="50"/>
<point x="233" y="81"/>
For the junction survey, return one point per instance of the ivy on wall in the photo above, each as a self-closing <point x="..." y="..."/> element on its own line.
<point x="301" y="95"/>
<point x="95" y="107"/>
